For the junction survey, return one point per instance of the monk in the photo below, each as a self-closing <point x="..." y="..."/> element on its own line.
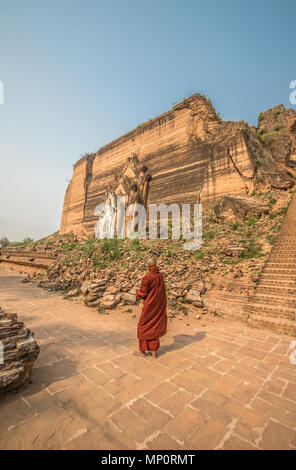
<point x="153" y="320"/>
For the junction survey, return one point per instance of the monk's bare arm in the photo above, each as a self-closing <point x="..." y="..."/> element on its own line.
<point x="144" y="289"/>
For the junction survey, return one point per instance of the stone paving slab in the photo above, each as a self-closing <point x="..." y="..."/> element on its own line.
<point x="218" y="385"/>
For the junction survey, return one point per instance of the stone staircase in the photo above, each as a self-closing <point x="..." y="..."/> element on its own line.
<point x="273" y="305"/>
<point x="26" y="260"/>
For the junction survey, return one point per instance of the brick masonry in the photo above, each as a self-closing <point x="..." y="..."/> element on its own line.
<point x="190" y="154"/>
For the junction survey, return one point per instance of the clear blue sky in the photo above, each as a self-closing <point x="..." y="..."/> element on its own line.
<point x="79" y="73"/>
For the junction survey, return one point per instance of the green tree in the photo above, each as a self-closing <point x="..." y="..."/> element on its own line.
<point x="4" y="241"/>
<point x="27" y="240"/>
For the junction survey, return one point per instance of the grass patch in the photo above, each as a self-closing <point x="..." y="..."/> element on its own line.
<point x="233" y="225"/>
<point x="199" y="256"/>
<point x="102" y="310"/>
<point x="252" y="220"/>
<point x="252" y="251"/>
<point x="209" y="235"/>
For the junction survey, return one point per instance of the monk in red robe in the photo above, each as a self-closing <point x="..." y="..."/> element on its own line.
<point x="153" y="320"/>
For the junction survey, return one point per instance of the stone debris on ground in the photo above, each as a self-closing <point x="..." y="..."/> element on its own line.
<point x="238" y="235"/>
<point x="18" y="352"/>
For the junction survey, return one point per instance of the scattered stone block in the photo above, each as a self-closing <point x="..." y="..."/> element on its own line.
<point x="18" y="351"/>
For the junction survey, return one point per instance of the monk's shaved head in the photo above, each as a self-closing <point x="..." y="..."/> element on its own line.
<point x="151" y="262"/>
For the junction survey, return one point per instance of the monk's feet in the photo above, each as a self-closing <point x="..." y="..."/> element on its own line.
<point x="154" y="354"/>
<point x="139" y="353"/>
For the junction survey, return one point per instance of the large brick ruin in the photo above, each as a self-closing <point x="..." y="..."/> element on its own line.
<point x="185" y="155"/>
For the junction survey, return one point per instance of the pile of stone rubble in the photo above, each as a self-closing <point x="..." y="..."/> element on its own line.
<point x="18" y="351"/>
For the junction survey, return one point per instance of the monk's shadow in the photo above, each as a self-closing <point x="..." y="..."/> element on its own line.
<point x="181" y="341"/>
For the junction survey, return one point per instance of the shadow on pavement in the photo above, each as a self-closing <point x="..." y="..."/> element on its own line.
<point x="180" y="341"/>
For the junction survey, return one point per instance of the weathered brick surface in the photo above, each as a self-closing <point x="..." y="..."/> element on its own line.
<point x="208" y="435"/>
<point x="153" y="415"/>
<point x="184" y="424"/>
<point x="164" y="442"/>
<point x="276" y="436"/>
<point x="235" y="442"/>
<point x="89" y="392"/>
<point x="188" y="153"/>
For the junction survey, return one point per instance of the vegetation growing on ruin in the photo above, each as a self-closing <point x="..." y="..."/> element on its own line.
<point x="260" y="117"/>
<point x="219" y="116"/>
<point x="276" y="113"/>
<point x="252" y="237"/>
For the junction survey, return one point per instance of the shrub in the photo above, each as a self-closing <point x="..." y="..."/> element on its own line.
<point x="67" y="247"/>
<point x="98" y="262"/>
<point x="260" y="134"/>
<point x="219" y="116"/>
<point x="276" y="113"/>
<point x="209" y="235"/>
<point x="199" y="255"/>
<point x="27" y="240"/>
<point x="252" y="251"/>
<point x="272" y="200"/>
<point x="252" y="220"/>
<point x="110" y="248"/>
<point x="4" y="242"/>
<point x="135" y="244"/>
<point x="259" y="162"/>
<point x="234" y="225"/>
<point x="102" y="310"/>
<point x="270" y="239"/>
<point x="88" y="248"/>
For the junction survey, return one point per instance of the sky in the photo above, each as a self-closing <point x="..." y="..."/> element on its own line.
<point x="77" y="74"/>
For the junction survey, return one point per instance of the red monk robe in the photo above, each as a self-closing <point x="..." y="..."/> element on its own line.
<point x="153" y="321"/>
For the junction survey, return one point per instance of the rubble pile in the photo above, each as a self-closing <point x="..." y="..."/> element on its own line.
<point x="18" y="351"/>
<point x="238" y="235"/>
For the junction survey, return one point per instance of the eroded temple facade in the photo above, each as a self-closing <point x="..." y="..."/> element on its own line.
<point x="185" y="155"/>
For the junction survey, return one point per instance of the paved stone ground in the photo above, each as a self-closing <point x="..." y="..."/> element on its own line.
<point x="219" y="386"/>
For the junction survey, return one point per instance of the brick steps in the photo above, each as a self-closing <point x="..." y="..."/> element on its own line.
<point x="283" y="253"/>
<point x="273" y="305"/>
<point x="275" y="277"/>
<point x="280" y="271"/>
<point x="280" y="259"/>
<point x="279" y="291"/>
<point x="279" y="265"/>
<point x="7" y="253"/>
<point x="276" y="283"/>
<point x="275" y="299"/>
<point x="279" y="326"/>
<point x="274" y="311"/>
<point x="27" y="263"/>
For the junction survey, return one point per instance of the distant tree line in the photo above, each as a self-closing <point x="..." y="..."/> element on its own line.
<point x="4" y="241"/>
